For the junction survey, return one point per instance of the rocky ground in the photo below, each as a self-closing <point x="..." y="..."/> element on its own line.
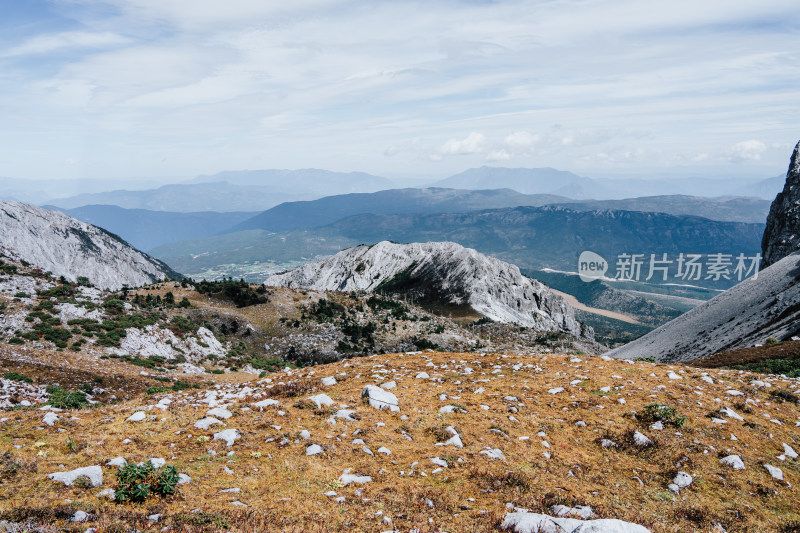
<point x="441" y="442"/>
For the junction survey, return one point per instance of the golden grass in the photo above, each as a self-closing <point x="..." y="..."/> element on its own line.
<point x="284" y="489"/>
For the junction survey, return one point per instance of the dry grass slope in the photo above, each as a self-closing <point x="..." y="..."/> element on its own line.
<point x="507" y="402"/>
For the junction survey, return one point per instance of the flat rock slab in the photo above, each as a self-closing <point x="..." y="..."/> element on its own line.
<point x="229" y="436"/>
<point x="380" y="398"/>
<point x="94" y="473"/>
<point x="540" y="523"/>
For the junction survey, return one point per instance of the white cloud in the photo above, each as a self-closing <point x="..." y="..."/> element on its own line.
<point x="45" y="44"/>
<point x="747" y="151"/>
<point x="471" y="144"/>
<point x="498" y="155"/>
<point x="521" y="140"/>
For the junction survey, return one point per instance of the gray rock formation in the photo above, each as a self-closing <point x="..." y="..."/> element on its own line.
<point x="67" y="247"/>
<point x="442" y="272"/>
<point x="782" y="234"/>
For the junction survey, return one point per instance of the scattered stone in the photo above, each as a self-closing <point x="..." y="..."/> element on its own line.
<point x="219" y="412"/>
<point x="79" y="516"/>
<point x="775" y="472"/>
<point x="789" y="452"/>
<point x="524" y="522"/>
<point x="329" y="381"/>
<point x="50" y="418"/>
<point x="389" y="385"/>
<point x="265" y="403"/>
<point x="346" y="478"/>
<point x="494" y="453"/>
<point x="229" y="436"/>
<point x="584" y="512"/>
<point x="641" y="440"/>
<point x="380" y="398"/>
<point x="314" y="449"/>
<point x="734" y="461"/>
<point x="138" y="416"/>
<point x="94" y="473"/>
<point x="321" y="400"/>
<point x="205" y="423"/>
<point x="682" y="480"/>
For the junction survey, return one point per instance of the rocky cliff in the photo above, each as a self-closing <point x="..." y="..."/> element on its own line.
<point x="442" y="272"/>
<point x="782" y="234"/>
<point x="70" y="248"/>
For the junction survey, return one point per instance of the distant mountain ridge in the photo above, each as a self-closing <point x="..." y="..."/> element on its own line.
<point x="314" y="213"/>
<point x="71" y="248"/>
<point x="440" y="273"/>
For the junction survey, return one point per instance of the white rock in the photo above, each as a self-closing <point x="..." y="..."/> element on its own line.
<point x="439" y="462"/>
<point x="775" y="472"/>
<point x="447" y="409"/>
<point x="733" y="392"/>
<point x="682" y="480"/>
<point x="730" y="413"/>
<point x="94" y="473"/>
<point x="229" y="436"/>
<point x="205" y="423"/>
<point x="494" y="453"/>
<point x="79" y="516"/>
<point x="265" y="403"/>
<point x="384" y="450"/>
<point x="524" y="522"/>
<point x="455" y="440"/>
<point x="734" y="461"/>
<point x="183" y="478"/>
<point x="321" y="400"/>
<point x="314" y="449"/>
<point x="138" y="416"/>
<point x="219" y="412"/>
<point x="305" y="435"/>
<point x="583" y="512"/>
<point x="658" y="425"/>
<point x="556" y="390"/>
<point x="673" y="375"/>
<point x="111" y="494"/>
<point x="789" y="452"/>
<point x="389" y="385"/>
<point x="422" y="375"/>
<point x="329" y="381"/>
<point x="50" y="418"/>
<point x="347" y="478"/>
<point x="117" y="461"/>
<point x="640" y="439"/>
<point x="157" y="462"/>
<point x="380" y="398"/>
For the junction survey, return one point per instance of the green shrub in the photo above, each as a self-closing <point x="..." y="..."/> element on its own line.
<point x="667" y="415"/>
<point x="648" y="359"/>
<point x="16" y="376"/>
<point x="135" y="483"/>
<point x="64" y="399"/>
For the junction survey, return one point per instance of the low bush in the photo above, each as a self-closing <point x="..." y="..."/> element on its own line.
<point x="136" y="482"/>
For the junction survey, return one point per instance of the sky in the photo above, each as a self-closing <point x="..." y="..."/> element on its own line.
<point x="151" y="88"/>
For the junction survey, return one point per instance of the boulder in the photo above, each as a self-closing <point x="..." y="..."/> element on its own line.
<point x="380" y="398"/>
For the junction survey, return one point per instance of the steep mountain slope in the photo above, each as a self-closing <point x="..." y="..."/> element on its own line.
<point x="71" y="248"/>
<point x="782" y="234"/>
<point x="439" y="273"/>
<point x="146" y="229"/>
<point x="747" y="314"/>
<point x="531" y="237"/>
<point x="309" y="214"/>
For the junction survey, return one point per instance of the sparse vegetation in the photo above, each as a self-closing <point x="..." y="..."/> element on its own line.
<point x="136" y="482"/>
<point x="665" y="414"/>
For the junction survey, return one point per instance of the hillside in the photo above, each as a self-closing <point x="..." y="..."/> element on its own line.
<point x="67" y="247"/>
<point x="474" y="439"/>
<point x="530" y="237"/>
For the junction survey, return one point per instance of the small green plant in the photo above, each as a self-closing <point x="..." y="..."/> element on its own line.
<point x="64" y="399"/>
<point x="648" y="359"/>
<point x="667" y="415"/>
<point x="16" y="376"/>
<point x="771" y="340"/>
<point x="136" y="482"/>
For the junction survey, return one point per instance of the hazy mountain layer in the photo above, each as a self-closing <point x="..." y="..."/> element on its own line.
<point x="147" y="229"/>
<point x="314" y="213"/>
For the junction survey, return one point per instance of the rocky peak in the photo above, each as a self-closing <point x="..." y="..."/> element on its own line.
<point x="67" y="247"/>
<point x="445" y="273"/>
<point x="782" y="234"/>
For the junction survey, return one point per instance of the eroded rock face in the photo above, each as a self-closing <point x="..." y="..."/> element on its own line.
<point x="71" y="248"/>
<point x="444" y="272"/>
<point x="782" y="234"/>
